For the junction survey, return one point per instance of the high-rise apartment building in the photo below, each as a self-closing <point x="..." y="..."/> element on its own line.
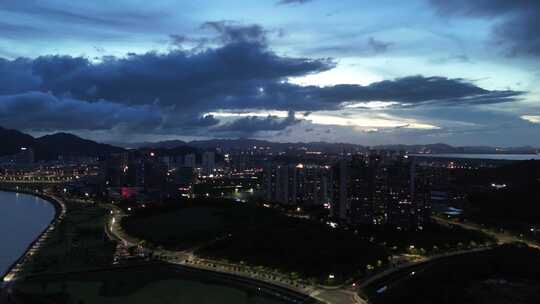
<point x="190" y="160"/>
<point x="380" y="188"/>
<point x="209" y="162"/>
<point x="297" y="184"/>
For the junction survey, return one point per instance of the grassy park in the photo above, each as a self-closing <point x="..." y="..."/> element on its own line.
<point x="264" y="237"/>
<point x="75" y="266"/>
<point x="433" y="239"/>
<point x="148" y="284"/>
<point x="78" y="242"/>
<point x="507" y="274"/>
<point x="180" y="228"/>
<point x="257" y="236"/>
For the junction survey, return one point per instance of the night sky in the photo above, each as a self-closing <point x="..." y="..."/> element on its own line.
<point x="462" y="72"/>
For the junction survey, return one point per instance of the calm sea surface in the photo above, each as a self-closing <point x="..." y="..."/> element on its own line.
<point x="22" y="218"/>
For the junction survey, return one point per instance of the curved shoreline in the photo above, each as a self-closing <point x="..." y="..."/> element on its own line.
<point x="59" y="211"/>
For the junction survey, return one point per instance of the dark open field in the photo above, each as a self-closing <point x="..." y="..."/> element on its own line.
<point x="507" y="274"/>
<point x="78" y="242"/>
<point x="246" y="233"/>
<point x="433" y="239"/>
<point x="145" y="284"/>
<point x="260" y="237"/>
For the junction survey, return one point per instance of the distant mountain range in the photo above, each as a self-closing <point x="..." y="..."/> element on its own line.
<point x="242" y="143"/>
<point x="444" y="148"/>
<point x="11" y="141"/>
<point x="245" y="143"/>
<point x="50" y="147"/>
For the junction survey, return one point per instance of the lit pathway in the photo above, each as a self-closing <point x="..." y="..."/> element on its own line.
<point x="501" y="237"/>
<point x="392" y="270"/>
<point x="188" y="259"/>
<point x="13" y="273"/>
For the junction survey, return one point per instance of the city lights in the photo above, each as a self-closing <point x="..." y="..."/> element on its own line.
<point x="280" y="151"/>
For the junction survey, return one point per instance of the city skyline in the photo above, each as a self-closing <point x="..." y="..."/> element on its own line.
<point x="424" y="72"/>
<point x="270" y="152"/>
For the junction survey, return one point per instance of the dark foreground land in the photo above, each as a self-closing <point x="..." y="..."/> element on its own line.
<point x="74" y="266"/>
<point x="257" y="236"/>
<point x="147" y="284"/>
<point x="506" y="275"/>
<point x="432" y="240"/>
<point x="79" y="242"/>
<point x="514" y="207"/>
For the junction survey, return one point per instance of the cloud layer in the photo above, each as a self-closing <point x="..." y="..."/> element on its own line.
<point x="173" y="92"/>
<point x="42" y="111"/>
<point x="517" y="28"/>
<point x="236" y="76"/>
<point x="285" y="2"/>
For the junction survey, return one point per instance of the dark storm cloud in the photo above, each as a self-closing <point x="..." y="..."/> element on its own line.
<point x="179" y="121"/>
<point x="181" y="87"/>
<point x="211" y="79"/>
<point x="518" y="28"/>
<point x="16" y="76"/>
<point x="203" y="121"/>
<point x="41" y="111"/>
<point x="184" y="85"/>
<point x="252" y="124"/>
<point x="418" y="90"/>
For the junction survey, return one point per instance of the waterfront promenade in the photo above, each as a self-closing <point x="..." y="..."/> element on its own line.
<point x="17" y="269"/>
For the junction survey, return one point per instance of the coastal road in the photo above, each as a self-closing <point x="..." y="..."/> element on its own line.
<point x="404" y="271"/>
<point x="391" y="271"/>
<point x="501" y="237"/>
<point x="327" y="296"/>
